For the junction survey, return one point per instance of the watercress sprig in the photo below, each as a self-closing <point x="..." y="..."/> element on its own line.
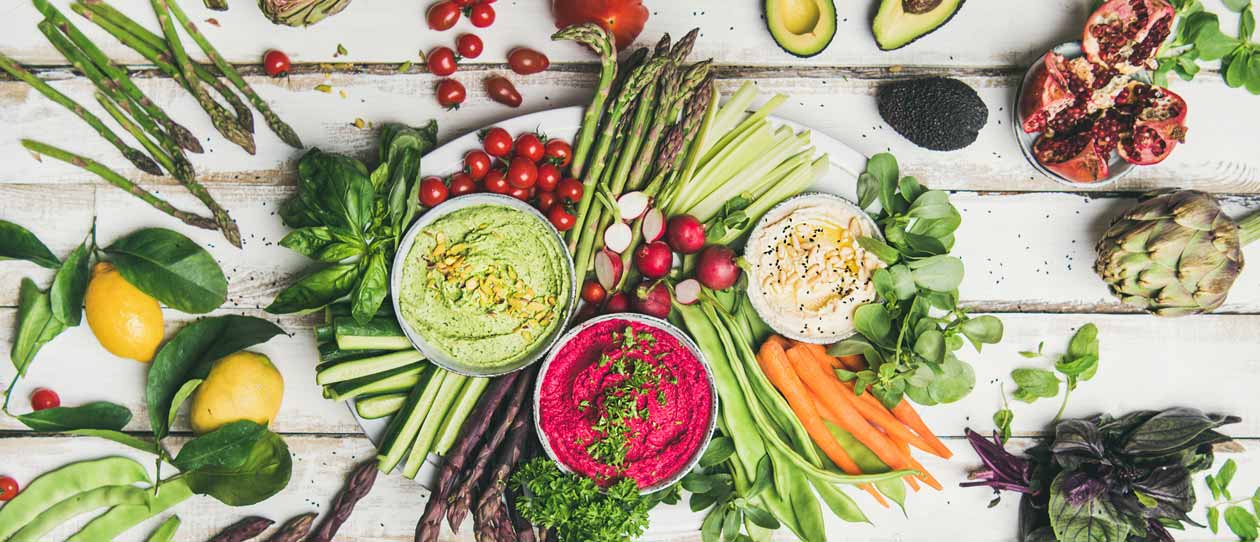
<point x="1244" y="523"/>
<point x="1078" y="364"/>
<point x="1199" y="37"/>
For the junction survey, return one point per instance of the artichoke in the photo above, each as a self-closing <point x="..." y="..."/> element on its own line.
<point x="301" y="12"/>
<point x="1174" y="254"/>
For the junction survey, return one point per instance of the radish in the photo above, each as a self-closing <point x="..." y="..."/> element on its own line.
<point x="617" y="237"/>
<point x="652" y="299"/>
<point x="685" y="234"/>
<point x="619" y="302"/>
<point x="653" y="260"/>
<point x="653" y="225"/>
<point x="608" y="269"/>
<point x="716" y="267"/>
<point x="632" y="205"/>
<point x="687" y="291"/>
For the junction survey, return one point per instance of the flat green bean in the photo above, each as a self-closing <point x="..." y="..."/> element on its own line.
<point x="63" y="483"/>
<point x="166" y="531"/>
<point x="120" y="518"/>
<point x="92" y="499"/>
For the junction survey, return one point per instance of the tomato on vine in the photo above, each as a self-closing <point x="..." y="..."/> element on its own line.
<point x="497" y="142"/>
<point x="560" y="217"/>
<point x="570" y="190"/>
<point x="558" y="152"/>
<point x="529" y="146"/>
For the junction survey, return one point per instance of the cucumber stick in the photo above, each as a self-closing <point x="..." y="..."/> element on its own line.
<point x="380" y="406"/>
<point x="459" y="414"/>
<point x="382" y="333"/>
<point x="359" y="368"/>
<point x="329" y="353"/>
<point x="403" y="428"/>
<point x="447" y="395"/>
<point x="399" y="380"/>
<point x="324" y="334"/>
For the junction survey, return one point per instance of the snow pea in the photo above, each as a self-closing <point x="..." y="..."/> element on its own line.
<point x="63" y="483"/>
<point x="92" y="499"/>
<point x="166" y="531"/>
<point x="118" y="519"/>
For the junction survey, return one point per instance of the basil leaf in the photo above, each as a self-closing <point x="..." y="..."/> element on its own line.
<point x="307" y="241"/>
<point x="720" y="449"/>
<point x="370" y="292"/>
<point x="36" y="325"/>
<point x="316" y="289"/>
<point x="1171" y="430"/>
<point x="1242" y="523"/>
<point x="938" y="273"/>
<point x="265" y="472"/>
<point x="69" y="285"/>
<point x="228" y="446"/>
<point x="1080" y="368"/>
<point x="1034" y="384"/>
<point x="18" y="243"/>
<point x="171" y="268"/>
<point x="337" y="252"/>
<point x="1095" y="520"/>
<point x="334" y="190"/>
<point x="99" y="415"/>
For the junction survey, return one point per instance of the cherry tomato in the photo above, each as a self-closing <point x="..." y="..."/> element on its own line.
<point x="8" y="488"/>
<point x="443" y="15"/>
<point x="469" y="45"/>
<point x="442" y="61"/>
<point x="526" y="61"/>
<point x="560" y="217"/>
<point x="522" y="173"/>
<point x="477" y="163"/>
<point x="496" y="183"/>
<point x="497" y="142"/>
<point x="548" y="177"/>
<point x="544" y="201"/>
<point x="529" y="146"/>
<point x="481" y="15"/>
<point x="44" y="399"/>
<point x="276" y="63"/>
<point x="462" y="183"/>
<point x="465" y="3"/>
<point x="569" y="190"/>
<point x="503" y="91"/>
<point x="451" y="93"/>
<point x="593" y="292"/>
<point x="522" y="194"/>
<point x="432" y="192"/>
<point x="558" y="152"/>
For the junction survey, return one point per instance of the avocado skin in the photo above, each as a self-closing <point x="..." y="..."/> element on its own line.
<point x="830" y="21"/>
<point x="875" y="19"/>
<point x="936" y="113"/>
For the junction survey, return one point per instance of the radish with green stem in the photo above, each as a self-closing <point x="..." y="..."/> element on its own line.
<point x="716" y="267"/>
<point x="653" y="260"/>
<point x="685" y="234"/>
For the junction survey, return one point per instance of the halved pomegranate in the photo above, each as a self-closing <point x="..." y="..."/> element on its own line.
<point x="1063" y="92"/>
<point x="1079" y="156"/>
<point x="1047" y="93"/>
<point x="1127" y="34"/>
<point x="1157" y="116"/>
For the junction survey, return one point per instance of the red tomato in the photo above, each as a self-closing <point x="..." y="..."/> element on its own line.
<point x="462" y="183"/>
<point x="276" y="63"/>
<point x="496" y="183"/>
<point x="469" y="45"/>
<point x="544" y="201"/>
<point x="443" y="15"/>
<point x="451" y="93"/>
<point x="442" y="61"/>
<point x="624" y="18"/>
<point x="558" y="152"/>
<point x="8" y="488"/>
<point x="481" y="15"/>
<point x="477" y="163"/>
<point x="522" y="194"/>
<point x="503" y="91"/>
<point x="44" y="399"/>
<point x="569" y="190"/>
<point x="497" y="142"/>
<point x="465" y="3"/>
<point x="526" y="61"/>
<point x="593" y="292"/>
<point x="529" y="146"/>
<point x="548" y="177"/>
<point x="432" y="192"/>
<point x="522" y="173"/>
<point x="560" y="217"/>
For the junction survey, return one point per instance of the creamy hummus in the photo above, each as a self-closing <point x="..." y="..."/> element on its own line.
<point x="807" y="273"/>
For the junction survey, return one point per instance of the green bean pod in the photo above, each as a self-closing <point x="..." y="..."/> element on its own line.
<point x="166" y="531"/>
<point x="63" y="483"/>
<point x="92" y="499"/>
<point x="118" y="519"/>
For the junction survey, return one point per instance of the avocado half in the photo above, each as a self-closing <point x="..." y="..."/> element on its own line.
<point x="802" y="27"/>
<point x="899" y="22"/>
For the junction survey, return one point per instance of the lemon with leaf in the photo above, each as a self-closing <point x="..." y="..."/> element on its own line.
<point x="241" y="386"/>
<point x="125" y="320"/>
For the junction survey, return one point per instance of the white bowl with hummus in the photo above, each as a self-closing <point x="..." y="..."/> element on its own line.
<point x="807" y="273"/>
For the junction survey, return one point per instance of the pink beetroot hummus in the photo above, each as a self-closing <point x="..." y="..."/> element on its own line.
<point x="624" y="399"/>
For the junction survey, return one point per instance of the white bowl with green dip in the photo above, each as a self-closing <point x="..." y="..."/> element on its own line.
<point x="483" y="285"/>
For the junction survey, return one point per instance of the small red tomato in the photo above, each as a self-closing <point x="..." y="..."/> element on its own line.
<point x="451" y="93"/>
<point x="522" y="194"/>
<point x="593" y="293"/>
<point x="548" y="177"/>
<point x="8" y="488"/>
<point x="442" y="61"/>
<point x="44" y="399"/>
<point x="496" y="183"/>
<point x="560" y="217"/>
<point x="465" y="3"/>
<point x="481" y="15"/>
<point x="526" y="61"/>
<point x="529" y="146"/>
<point x="558" y="152"/>
<point x="432" y="192"/>
<point x="469" y="45"/>
<point x="477" y="163"/>
<point x="503" y="91"/>
<point x="462" y="183"/>
<point x="443" y="15"/>
<point x="497" y="142"/>
<point x="544" y="201"/>
<point x="276" y="63"/>
<point x="522" y="173"/>
<point x="569" y="190"/>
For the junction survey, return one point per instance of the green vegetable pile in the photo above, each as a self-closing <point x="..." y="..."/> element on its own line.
<point x="1199" y="37"/>
<point x="577" y="510"/>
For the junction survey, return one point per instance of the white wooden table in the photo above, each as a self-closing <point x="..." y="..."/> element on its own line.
<point x="1026" y="241"/>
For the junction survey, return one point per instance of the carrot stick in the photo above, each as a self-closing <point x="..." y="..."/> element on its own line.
<point x="832" y="418"/>
<point x="905" y="412"/>
<point x="905" y="449"/>
<point x="783" y="343"/>
<point x="853" y="362"/>
<point x="821" y="353"/>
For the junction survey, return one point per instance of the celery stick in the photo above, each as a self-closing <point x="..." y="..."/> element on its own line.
<point x="447" y="395"/>
<point x="747" y="124"/>
<point x="459" y="414"/>
<point x="405" y="425"/>
<point x="745" y="176"/>
<point x="696" y="147"/>
<point x="781" y="172"/>
<point x="706" y="180"/>
<point x="796" y="182"/>
<point x="733" y="110"/>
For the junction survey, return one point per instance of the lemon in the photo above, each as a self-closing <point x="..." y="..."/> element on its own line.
<point x="242" y="386"/>
<point x="126" y="321"/>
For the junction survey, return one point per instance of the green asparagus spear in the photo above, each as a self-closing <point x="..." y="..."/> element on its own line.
<point x="222" y="122"/>
<point x="151" y="46"/>
<point x="135" y="156"/>
<point x="119" y="181"/>
<point x="135" y="131"/>
<point x="217" y="5"/>
<point x="278" y="126"/>
<point x="684" y="88"/>
<point x="177" y="132"/>
<point x="595" y="37"/>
